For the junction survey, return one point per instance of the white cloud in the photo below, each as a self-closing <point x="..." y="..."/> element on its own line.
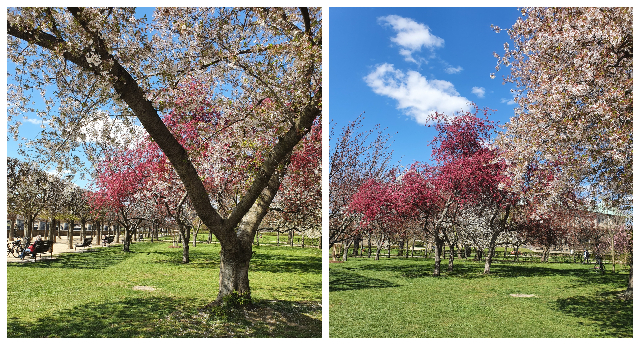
<point x="419" y="97"/>
<point x="103" y="129"/>
<point x="478" y="91"/>
<point x="38" y="122"/>
<point x="508" y="101"/>
<point x="57" y="173"/>
<point x="411" y="35"/>
<point x="453" y="70"/>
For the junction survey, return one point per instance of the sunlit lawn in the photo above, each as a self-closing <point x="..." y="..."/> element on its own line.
<point x="400" y="298"/>
<point x="92" y="294"/>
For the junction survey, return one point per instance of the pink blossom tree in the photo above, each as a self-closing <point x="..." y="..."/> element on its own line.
<point x="356" y="156"/>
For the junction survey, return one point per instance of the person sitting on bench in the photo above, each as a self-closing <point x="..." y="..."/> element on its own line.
<point x="31" y="247"/>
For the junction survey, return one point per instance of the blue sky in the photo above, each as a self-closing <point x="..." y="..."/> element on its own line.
<point x="398" y="64"/>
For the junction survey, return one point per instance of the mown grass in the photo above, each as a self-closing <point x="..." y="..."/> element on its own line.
<point x="400" y="298"/>
<point x="91" y="294"/>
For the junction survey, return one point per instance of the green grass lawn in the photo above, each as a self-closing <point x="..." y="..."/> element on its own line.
<point x="92" y="294"/>
<point x="400" y="298"/>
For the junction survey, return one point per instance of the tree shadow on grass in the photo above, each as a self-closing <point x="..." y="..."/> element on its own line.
<point x="278" y="263"/>
<point x="273" y="260"/>
<point x="342" y="280"/>
<point x="98" y="258"/>
<point x="418" y="268"/>
<point x="173" y="317"/>
<point x="613" y="315"/>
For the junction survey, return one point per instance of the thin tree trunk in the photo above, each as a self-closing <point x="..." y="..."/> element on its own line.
<point x="127" y="236"/>
<point x="12" y="228"/>
<point x="613" y="257"/>
<point x="98" y="227"/>
<point x="29" y="226"/>
<point x="492" y="249"/>
<point x="345" y="250"/>
<point x="72" y="224"/>
<point x="628" y="294"/>
<point x="185" y="234"/>
<point x="438" y="249"/>
<point x="195" y="236"/>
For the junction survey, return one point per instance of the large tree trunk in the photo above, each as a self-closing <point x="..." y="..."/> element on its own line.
<point x="234" y="272"/>
<point x="236" y="250"/>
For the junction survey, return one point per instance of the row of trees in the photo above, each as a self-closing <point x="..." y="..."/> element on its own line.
<point x="563" y="160"/>
<point x="35" y="194"/>
<point x="467" y="200"/>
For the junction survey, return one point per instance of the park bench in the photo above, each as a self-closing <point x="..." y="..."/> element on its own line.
<point x="40" y="247"/>
<point x="86" y="243"/>
<point x="107" y="240"/>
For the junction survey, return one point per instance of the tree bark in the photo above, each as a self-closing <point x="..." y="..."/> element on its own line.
<point x="628" y="294"/>
<point x="438" y="250"/>
<point x="127" y="237"/>
<point x="234" y="272"/>
<point x="235" y="259"/>
<point x="29" y="226"/>
<point x="98" y="226"/>
<point x="491" y="252"/>
<point x="345" y="249"/>
<point x="185" y="234"/>
<point x="72" y="224"/>
<point x="12" y="227"/>
<point x="83" y="229"/>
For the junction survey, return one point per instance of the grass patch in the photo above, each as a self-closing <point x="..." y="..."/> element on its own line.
<point x="91" y="294"/>
<point x="400" y="298"/>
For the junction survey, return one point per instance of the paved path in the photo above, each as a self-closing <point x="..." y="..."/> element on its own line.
<point x="61" y="246"/>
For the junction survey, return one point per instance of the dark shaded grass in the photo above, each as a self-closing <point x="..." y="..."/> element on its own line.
<point x="91" y="294"/>
<point x="401" y="298"/>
